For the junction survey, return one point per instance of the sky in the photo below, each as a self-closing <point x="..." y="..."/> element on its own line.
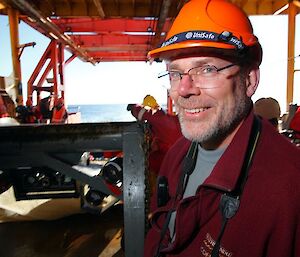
<point x="129" y="82"/>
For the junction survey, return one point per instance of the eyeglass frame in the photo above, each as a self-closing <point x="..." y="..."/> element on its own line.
<point x="181" y="74"/>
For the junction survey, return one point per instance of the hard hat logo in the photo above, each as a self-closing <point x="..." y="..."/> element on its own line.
<point x="201" y="35"/>
<point x="225" y="37"/>
<point x="170" y="41"/>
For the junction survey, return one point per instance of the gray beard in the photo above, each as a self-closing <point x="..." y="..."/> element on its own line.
<point x="225" y="125"/>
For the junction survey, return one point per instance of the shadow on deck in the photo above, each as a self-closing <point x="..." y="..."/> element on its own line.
<point x="80" y="235"/>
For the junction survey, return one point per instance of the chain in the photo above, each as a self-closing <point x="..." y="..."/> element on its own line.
<point x="146" y="148"/>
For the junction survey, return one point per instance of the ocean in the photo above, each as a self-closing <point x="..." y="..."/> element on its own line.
<point x="102" y="113"/>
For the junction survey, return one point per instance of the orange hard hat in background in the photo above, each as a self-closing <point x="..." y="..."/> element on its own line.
<point x="210" y="24"/>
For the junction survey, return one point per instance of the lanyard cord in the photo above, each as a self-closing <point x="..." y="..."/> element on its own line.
<point x="187" y="169"/>
<point x="229" y="203"/>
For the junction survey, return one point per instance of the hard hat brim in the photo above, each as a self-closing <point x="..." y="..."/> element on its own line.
<point x="187" y="48"/>
<point x="218" y="49"/>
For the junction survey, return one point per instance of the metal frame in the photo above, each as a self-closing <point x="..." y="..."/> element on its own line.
<point x="54" y="58"/>
<point x="55" y="146"/>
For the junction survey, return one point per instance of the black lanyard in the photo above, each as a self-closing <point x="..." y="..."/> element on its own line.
<point x="230" y="202"/>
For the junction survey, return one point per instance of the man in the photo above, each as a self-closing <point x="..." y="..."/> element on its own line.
<point x="239" y="196"/>
<point x="295" y="122"/>
<point x="59" y="111"/>
<point x="165" y="129"/>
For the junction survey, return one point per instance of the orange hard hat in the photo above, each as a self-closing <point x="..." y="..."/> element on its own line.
<point x="210" y="25"/>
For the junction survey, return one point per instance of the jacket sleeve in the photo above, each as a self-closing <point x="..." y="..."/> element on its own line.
<point x="137" y="111"/>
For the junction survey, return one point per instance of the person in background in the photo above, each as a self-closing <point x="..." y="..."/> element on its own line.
<point x="37" y="113"/>
<point x="165" y="130"/>
<point x="232" y="183"/>
<point x="3" y="110"/>
<point x="287" y="117"/>
<point x="30" y="117"/>
<point x="45" y="108"/>
<point x="269" y="109"/>
<point x="21" y="111"/>
<point x="6" y="119"/>
<point x="59" y="111"/>
<point x="295" y="123"/>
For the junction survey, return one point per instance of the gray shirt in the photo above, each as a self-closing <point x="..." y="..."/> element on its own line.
<point x="206" y="160"/>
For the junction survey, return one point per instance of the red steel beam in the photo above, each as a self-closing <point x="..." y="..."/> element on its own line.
<point x="106" y="25"/>
<point x="54" y="62"/>
<point x="104" y="56"/>
<point x="38" y="69"/>
<point x="121" y="59"/>
<point x="118" y="48"/>
<point x="109" y="40"/>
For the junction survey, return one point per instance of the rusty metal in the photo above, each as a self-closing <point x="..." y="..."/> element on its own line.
<point x="164" y="14"/>
<point x="99" y="8"/>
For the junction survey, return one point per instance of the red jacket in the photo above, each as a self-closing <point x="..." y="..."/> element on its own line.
<point x="165" y="130"/>
<point x="267" y="223"/>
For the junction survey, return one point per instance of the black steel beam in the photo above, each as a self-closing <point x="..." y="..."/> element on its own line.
<point x="59" y="147"/>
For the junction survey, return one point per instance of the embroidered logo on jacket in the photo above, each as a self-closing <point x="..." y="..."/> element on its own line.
<point x="207" y="246"/>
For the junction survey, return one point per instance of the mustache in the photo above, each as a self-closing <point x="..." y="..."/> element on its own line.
<point x="193" y="102"/>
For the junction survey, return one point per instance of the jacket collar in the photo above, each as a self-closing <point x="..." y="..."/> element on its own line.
<point x="226" y="172"/>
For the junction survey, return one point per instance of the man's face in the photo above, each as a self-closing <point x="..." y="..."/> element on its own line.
<point x="211" y="110"/>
